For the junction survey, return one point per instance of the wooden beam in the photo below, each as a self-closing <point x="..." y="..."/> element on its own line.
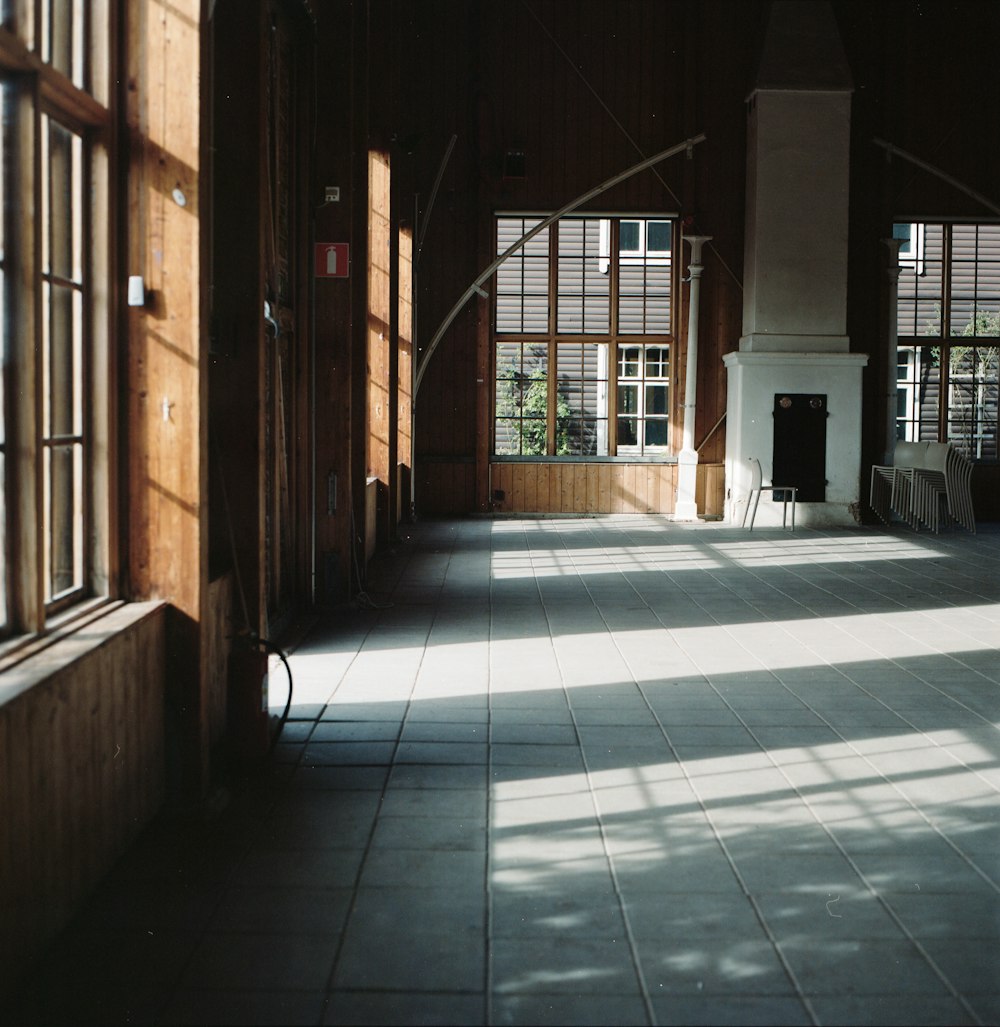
<point x="29" y="591"/>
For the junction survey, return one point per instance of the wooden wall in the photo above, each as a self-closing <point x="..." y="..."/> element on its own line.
<point x="595" y="488"/>
<point x="585" y="90"/>
<point x="82" y="770"/>
<point x="166" y="352"/>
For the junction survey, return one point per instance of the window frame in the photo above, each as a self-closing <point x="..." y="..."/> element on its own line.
<point x="933" y="352"/>
<point x="609" y="341"/>
<point x="37" y="98"/>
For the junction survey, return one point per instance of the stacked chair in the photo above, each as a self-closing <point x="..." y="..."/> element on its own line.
<point x="923" y="477"/>
<point x="890" y="482"/>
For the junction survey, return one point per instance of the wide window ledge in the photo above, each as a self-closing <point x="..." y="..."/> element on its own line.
<point x="27" y="664"/>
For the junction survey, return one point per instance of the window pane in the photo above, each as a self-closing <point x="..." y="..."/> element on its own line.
<point x="63" y="37"/>
<point x="3" y="542"/>
<point x="64" y="523"/>
<point x="918" y="393"/>
<point x="628" y="237"/>
<point x="629" y="361"/>
<point x="584" y="303"/>
<point x="61" y="365"/>
<point x="628" y="399"/>
<point x="656" y="399"/>
<point x="644" y="281"/>
<point x="628" y="432"/>
<point x="657" y="361"/>
<point x="658" y="236"/>
<point x="972" y="400"/>
<point x="643" y="398"/>
<point x="920" y="295"/>
<point x="64" y="358"/>
<point x="656" y="432"/>
<point x="975" y="280"/>
<point x="4" y="200"/>
<point x="522" y="279"/>
<point x="582" y="399"/>
<point x="62" y="227"/>
<point x="521" y="399"/>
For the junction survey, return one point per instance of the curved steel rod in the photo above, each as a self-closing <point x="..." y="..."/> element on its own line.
<point x="475" y="287"/>
<point x="430" y="203"/>
<point x="937" y="172"/>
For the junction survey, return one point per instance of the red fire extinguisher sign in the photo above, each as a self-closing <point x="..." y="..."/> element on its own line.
<point x="332" y="259"/>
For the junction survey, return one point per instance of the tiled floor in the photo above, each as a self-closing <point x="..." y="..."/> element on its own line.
<point x="603" y="771"/>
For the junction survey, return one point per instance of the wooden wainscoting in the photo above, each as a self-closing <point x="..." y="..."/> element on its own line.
<point x="593" y="488"/>
<point x="82" y="771"/>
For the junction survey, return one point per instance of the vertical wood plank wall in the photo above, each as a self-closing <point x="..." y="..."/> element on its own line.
<point x="404" y="373"/>
<point x="81" y="772"/>
<point x="379" y="329"/>
<point x="593" y="488"/>
<point x="166" y="348"/>
<point x="584" y="90"/>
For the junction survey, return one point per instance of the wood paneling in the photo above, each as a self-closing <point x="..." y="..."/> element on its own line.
<point x="594" y="488"/>
<point x="585" y="89"/>
<point x="222" y="624"/>
<point x="166" y="350"/>
<point x="81" y="770"/>
<point x="404" y="374"/>
<point x="379" y="315"/>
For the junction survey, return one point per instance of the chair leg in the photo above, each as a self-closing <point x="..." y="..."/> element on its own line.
<point x="756" y="500"/>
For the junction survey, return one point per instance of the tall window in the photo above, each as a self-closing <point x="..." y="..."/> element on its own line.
<point x="64" y="442"/>
<point x="582" y="337"/>
<point x="948" y="357"/>
<point x="54" y="413"/>
<point x="4" y="336"/>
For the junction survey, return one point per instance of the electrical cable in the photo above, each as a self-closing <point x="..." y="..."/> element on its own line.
<point x="248" y="634"/>
<point x="270" y="647"/>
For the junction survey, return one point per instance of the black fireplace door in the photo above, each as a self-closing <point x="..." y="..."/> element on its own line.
<point x="799" y="456"/>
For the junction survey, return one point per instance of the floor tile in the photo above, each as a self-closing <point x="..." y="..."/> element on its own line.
<point x="487" y="797"/>
<point x="712" y="1010"/>
<point x="237" y="961"/>
<point x="732" y="966"/>
<point x="404" y="1009"/>
<point x="576" y="966"/>
<point x="410" y="960"/>
<point x="585" y="1010"/>
<point x="255" y="1008"/>
<point x="277" y="910"/>
<point x="430" y="833"/>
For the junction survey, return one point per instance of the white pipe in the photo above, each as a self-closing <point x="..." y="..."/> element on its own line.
<point x="685" y="507"/>
<point x="691" y="367"/>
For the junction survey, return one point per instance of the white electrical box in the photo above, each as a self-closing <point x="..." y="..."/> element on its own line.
<point x="136" y="291"/>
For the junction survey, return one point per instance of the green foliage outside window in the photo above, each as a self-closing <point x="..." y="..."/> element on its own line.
<point x="522" y="406"/>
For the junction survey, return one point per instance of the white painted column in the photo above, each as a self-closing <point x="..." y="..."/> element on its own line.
<point x="685" y="507"/>
<point x="892" y="344"/>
